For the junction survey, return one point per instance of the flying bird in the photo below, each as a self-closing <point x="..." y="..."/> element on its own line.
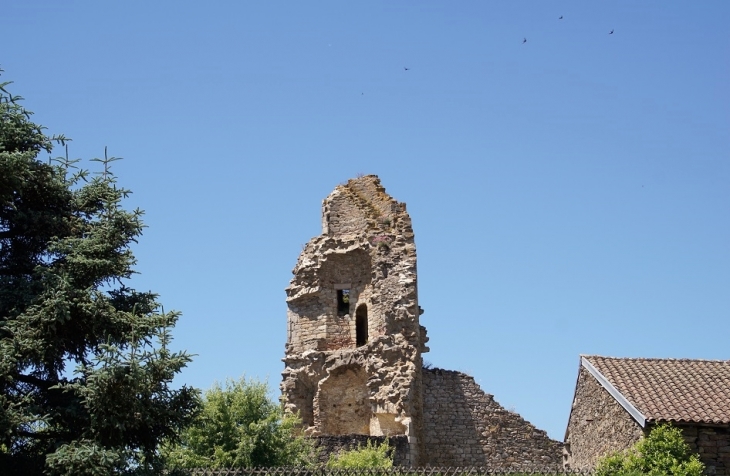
<point x="610" y="32"/>
<point x="524" y="40"/>
<point x="561" y="17"/>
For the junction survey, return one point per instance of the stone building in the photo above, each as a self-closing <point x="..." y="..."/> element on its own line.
<point x="353" y="361"/>
<point x="618" y="400"/>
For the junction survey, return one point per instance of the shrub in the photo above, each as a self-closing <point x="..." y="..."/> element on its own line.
<point x="663" y="452"/>
<point x="371" y="456"/>
<point x="240" y="427"/>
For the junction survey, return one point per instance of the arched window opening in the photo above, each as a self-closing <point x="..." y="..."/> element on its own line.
<point x="361" y="325"/>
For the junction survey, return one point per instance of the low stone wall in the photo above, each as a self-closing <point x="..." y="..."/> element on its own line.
<point x="327" y="445"/>
<point x="463" y="426"/>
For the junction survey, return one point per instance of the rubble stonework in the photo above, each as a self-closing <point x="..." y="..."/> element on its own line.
<point x="712" y="444"/>
<point x="463" y="426"/>
<point x="354" y="342"/>
<point x="598" y="425"/>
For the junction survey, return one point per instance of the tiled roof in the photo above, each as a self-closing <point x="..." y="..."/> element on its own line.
<point x="681" y="390"/>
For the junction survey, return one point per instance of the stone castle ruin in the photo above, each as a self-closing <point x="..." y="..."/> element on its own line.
<point x="353" y="361"/>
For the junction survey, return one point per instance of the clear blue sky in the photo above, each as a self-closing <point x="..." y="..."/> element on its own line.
<point x="569" y="194"/>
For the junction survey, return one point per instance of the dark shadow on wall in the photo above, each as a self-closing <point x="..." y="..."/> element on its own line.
<point x="361" y="325"/>
<point x="451" y="436"/>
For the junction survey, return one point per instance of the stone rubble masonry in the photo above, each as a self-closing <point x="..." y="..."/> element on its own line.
<point x="354" y="367"/>
<point x="598" y="425"/>
<point x="353" y="364"/>
<point x="463" y="426"/>
<point x="712" y="443"/>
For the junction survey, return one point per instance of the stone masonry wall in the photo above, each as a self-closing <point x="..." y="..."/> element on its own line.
<point x="713" y="446"/>
<point x="463" y="426"/>
<point x="362" y="204"/>
<point x="598" y="425"/>
<point x="353" y="366"/>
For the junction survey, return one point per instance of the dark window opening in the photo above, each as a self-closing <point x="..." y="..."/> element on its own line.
<point x="343" y="301"/>
<point x="361" y="325"/>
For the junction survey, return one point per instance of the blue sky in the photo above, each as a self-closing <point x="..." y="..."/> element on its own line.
<point x="569" y="194"/>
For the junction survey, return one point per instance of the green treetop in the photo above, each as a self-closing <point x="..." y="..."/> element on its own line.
<point x="240" y="427"/>
<point x="85" y="364"/>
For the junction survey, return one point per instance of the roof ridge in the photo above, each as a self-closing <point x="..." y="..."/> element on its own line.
<point x="671" y="359"/>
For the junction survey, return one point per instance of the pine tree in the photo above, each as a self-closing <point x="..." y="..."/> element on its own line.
<point x="85" y="364"/>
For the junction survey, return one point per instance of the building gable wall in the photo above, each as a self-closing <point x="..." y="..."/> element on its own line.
<point x="598" y="425"/>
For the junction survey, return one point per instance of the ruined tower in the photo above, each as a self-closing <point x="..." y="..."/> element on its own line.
<point x="354" y="342"/>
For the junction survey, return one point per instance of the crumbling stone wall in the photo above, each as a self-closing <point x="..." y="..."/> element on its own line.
<point x="463" y="426"/>
<point x="354" y="342"/>
<point x="598" y="425"/>
<point x="353" y="366"/>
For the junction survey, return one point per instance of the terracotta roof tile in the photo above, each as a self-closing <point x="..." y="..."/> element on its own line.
<point x="682" y="390"/>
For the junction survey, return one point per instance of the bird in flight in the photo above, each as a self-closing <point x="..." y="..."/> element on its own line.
<point x="610" y="32"/>
<point x="524" y="40"/>
<point x="406" y="68"/>
<point x="561" y="17"/>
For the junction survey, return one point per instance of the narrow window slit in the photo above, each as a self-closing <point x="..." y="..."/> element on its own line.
<point x="343" y="302"/>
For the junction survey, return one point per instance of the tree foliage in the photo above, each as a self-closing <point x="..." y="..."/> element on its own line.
<point x="240" y="427"/>
<point x="662" y="453"/>
<point x="85" y="364"/>
<point x="370" y="456"/>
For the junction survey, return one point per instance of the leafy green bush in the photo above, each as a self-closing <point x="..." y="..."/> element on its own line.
<point x="371" y="456"/>
<point x="240" y="427"/>
<point x="662" y="453"/>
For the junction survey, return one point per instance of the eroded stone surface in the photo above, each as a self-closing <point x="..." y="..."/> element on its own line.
<point x="354" y="342"/>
